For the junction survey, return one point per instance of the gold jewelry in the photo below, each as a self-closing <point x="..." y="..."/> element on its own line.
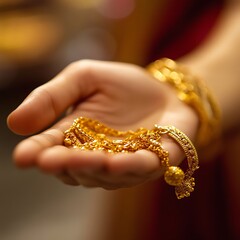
<point x="193" y="92"/>
<point x="89" y="134"/>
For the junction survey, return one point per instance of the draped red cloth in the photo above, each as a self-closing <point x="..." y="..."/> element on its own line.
<point x="182" y="27"/>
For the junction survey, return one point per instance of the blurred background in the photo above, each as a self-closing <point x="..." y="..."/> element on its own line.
<point x="37" y="39"/>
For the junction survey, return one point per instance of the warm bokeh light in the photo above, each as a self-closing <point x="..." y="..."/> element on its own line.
<point x="56" y="32"/>
<point x="26" y="37"/>
<point x="90" y="43"/>
<point x="4" y="3"/>
<point x="116" y="9"/>
<point x="82" y="3"/>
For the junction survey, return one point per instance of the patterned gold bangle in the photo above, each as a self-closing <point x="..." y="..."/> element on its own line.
<point x="193" y="92"/>
<point x="89" y="134"/>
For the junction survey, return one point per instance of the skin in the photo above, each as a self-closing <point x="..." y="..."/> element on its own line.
<point x="122" y="96"/>
<point x="216" y="61"/>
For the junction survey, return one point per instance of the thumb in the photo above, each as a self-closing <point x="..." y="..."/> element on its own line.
<point x="49" y="101"/>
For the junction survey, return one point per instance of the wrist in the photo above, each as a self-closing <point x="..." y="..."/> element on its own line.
<point x="193" y="92"/>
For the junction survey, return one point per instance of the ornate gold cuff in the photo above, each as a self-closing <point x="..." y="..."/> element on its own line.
<point x="89" y="134"/>
<point x="193" y="92"/>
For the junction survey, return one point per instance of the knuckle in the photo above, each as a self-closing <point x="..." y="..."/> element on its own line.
<point x="83" y="67"/>
<point x="49" y="100"/>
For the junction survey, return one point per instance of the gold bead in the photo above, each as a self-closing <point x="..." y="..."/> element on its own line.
<point x="68" y="142"/>
<point x="174" y="176"/>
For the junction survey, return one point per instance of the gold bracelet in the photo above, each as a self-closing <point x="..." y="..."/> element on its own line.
<point x="193" y="92"/>
<point x="89" y="134"/>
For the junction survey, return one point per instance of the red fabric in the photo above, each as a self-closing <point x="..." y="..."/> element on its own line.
<point x="183" y="26"/>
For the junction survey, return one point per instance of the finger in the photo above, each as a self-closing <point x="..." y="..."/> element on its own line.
<point x="26" y="152"/>
<point x="67" y="179"/>
<point x="140" y="163"/>
<point x="60" y="158"/>
<point x="88" y="179"/>
<point x="107" y="180"/>
<point x="48" y="101"/>
<point x="119" y="170"/>
<point x="99" y="169"/>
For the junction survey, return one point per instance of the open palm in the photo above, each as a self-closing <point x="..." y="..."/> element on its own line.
<point x="122" y="96"/>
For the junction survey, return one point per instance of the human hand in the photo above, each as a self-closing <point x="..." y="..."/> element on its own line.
<point x="122" y="96"/>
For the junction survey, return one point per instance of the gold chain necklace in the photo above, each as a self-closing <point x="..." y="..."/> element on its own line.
<point x="90" y="134"/>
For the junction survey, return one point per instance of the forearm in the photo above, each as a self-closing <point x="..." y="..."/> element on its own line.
<point x="217" y="62"/>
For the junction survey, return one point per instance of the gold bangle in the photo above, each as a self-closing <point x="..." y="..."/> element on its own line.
<point x="89" y="134"/>
<point x="184" y="188"/>
<point x="193" y="92"/>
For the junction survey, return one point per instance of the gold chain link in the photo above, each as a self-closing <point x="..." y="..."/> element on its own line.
<point x="89" y="134"/>
<point x="193" y="92"/>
